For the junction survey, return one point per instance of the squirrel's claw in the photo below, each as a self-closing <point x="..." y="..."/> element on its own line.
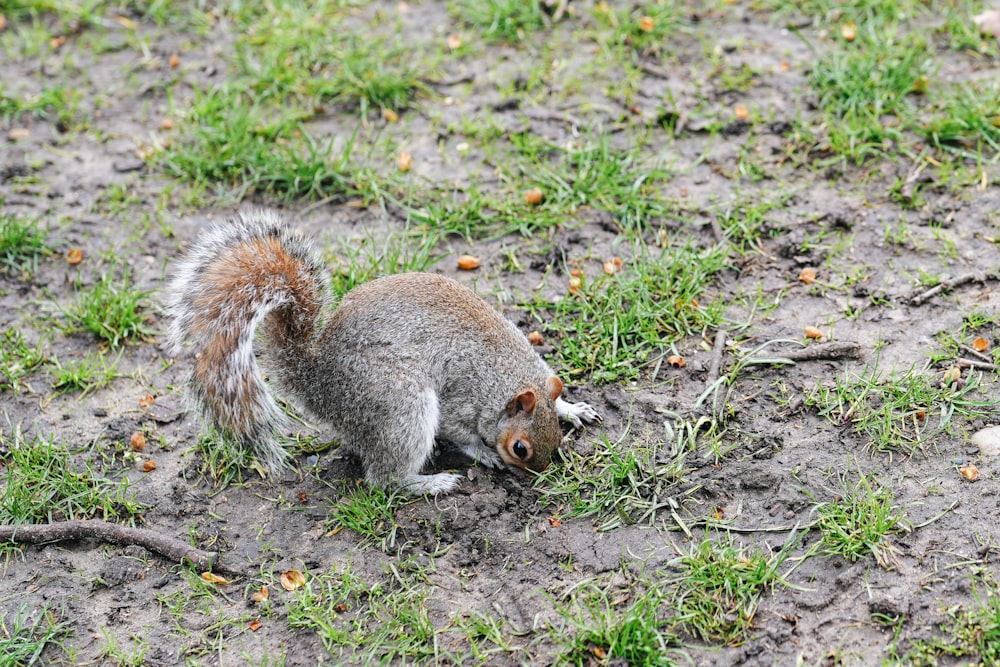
<point x="576" y="413"/>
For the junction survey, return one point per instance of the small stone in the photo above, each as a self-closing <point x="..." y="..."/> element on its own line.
<point x="988" y="440"/>
<point x="126" y="165"/>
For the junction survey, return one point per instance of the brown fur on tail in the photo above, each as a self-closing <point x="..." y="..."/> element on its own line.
<point x="246" y="273"/>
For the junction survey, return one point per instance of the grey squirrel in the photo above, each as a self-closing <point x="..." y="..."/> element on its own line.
<point x="400" y="360"/>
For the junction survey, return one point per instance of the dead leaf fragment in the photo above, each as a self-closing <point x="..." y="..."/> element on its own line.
<point x="74" y="256"/>
<point x="613" y="266"/>
<point x="389" y="115"/>
<point x="126" y="22"/>
<point x="57" y="42"/>
<point x="980" y="345"/>
<point x="16" y="133"/>
<point x="213" y="578"/>
<point x="969" y="472"/>
<point x="404" y="161"/>
<point x="647" y="24"/>
<point x="262" y="595"/>
<point x="849" y="31"/>
<point x="741" y="112"/>
<point x="292" y="579"/>
<point x="807" y="275"/>
<point x="536" y="338"/>
<point x="988" y="22"/>
<point x="146" y="401"/>
<point x="676" y="361"/>
<point x="555" y="521"/>
<point x="533" y="197"/>
<point x="149" y="466"/>
<point x="920" y="85"/>
<point x="137" y="441"/>
<point x="254" y="626"/>
<point x="813" y="333"/>
<point x="468" y="262"/>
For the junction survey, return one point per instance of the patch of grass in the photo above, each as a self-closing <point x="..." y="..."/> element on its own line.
<point x="646" y="27"/>
<point x="22" y="243"/>
<point x="743" y="223"/>
<point x="487" y="638"/>
<point x="901" y="412"/>
<point x="719" y="586"/>
<point x="859" y="521"/>
<point x="616" y="326"/>
<point x="969" y="632"/>
<point x="17" y="359"/>
<point x="370" y="622"/>
<point x="604" y="626"/>
<point x="502" y="20"/>
<point x="26" y="633"/>
<point x="223" y="460"/>
<point x="356" y="262"/>
<point x="55" y="103"/>
<point x="238" y="145"/>
<point x="864" y="88"/>
<point x="617" y="485"/>
<point x="966" y="116"/>
<point x="369" y="512"/>
<point x="953" y="345"/>
<point x="596" y="175"/>
<point x="112" y="309"/>
<point x="44" y="485"/>
<point x="305" y="51"/>
<point x="87" y="374"/>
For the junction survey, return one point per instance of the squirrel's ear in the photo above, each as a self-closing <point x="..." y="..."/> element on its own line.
<point x="555" y="387"/>
<point x="525" y="401"/>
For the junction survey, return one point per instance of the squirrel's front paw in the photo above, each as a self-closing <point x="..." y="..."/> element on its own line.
<point x="576" y="413"/>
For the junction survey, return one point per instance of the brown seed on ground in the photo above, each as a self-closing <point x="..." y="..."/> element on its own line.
<point x="533" y="197"/>
<point x="468" y="262"/>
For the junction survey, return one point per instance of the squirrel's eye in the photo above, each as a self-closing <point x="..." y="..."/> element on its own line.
<point x="520" y="450"/>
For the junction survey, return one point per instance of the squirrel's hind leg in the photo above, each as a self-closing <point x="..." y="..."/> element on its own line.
<point x="405" y="451"/>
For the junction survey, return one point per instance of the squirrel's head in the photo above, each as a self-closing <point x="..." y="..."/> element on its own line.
<point x="529" y="428"/>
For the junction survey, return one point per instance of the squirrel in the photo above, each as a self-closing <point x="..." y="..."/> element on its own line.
<point x="400" y="361"/>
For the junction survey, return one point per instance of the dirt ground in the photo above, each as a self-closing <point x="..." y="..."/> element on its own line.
<point x="491" y="548"/>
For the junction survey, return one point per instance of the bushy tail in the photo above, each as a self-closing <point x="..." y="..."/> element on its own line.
<point x="236" y="276"/>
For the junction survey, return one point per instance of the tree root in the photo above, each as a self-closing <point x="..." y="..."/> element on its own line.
<point x="93" y="529"/>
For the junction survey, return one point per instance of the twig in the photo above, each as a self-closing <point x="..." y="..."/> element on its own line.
<point x="718" y="525"/>
<point x="453" y="81"/>
<point x="816" y="352"/>
<point x="93" y="529"/>
<point x="718" y="350"/>
<point x="548" y="114"/>
<point x="653" y="70"/>
<point x="937" y="516"/>
<point x="972" y="363"/>
<point x="974" y="277"/>
<point x="976" y="353"/>
<point x="560" y="10"/>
